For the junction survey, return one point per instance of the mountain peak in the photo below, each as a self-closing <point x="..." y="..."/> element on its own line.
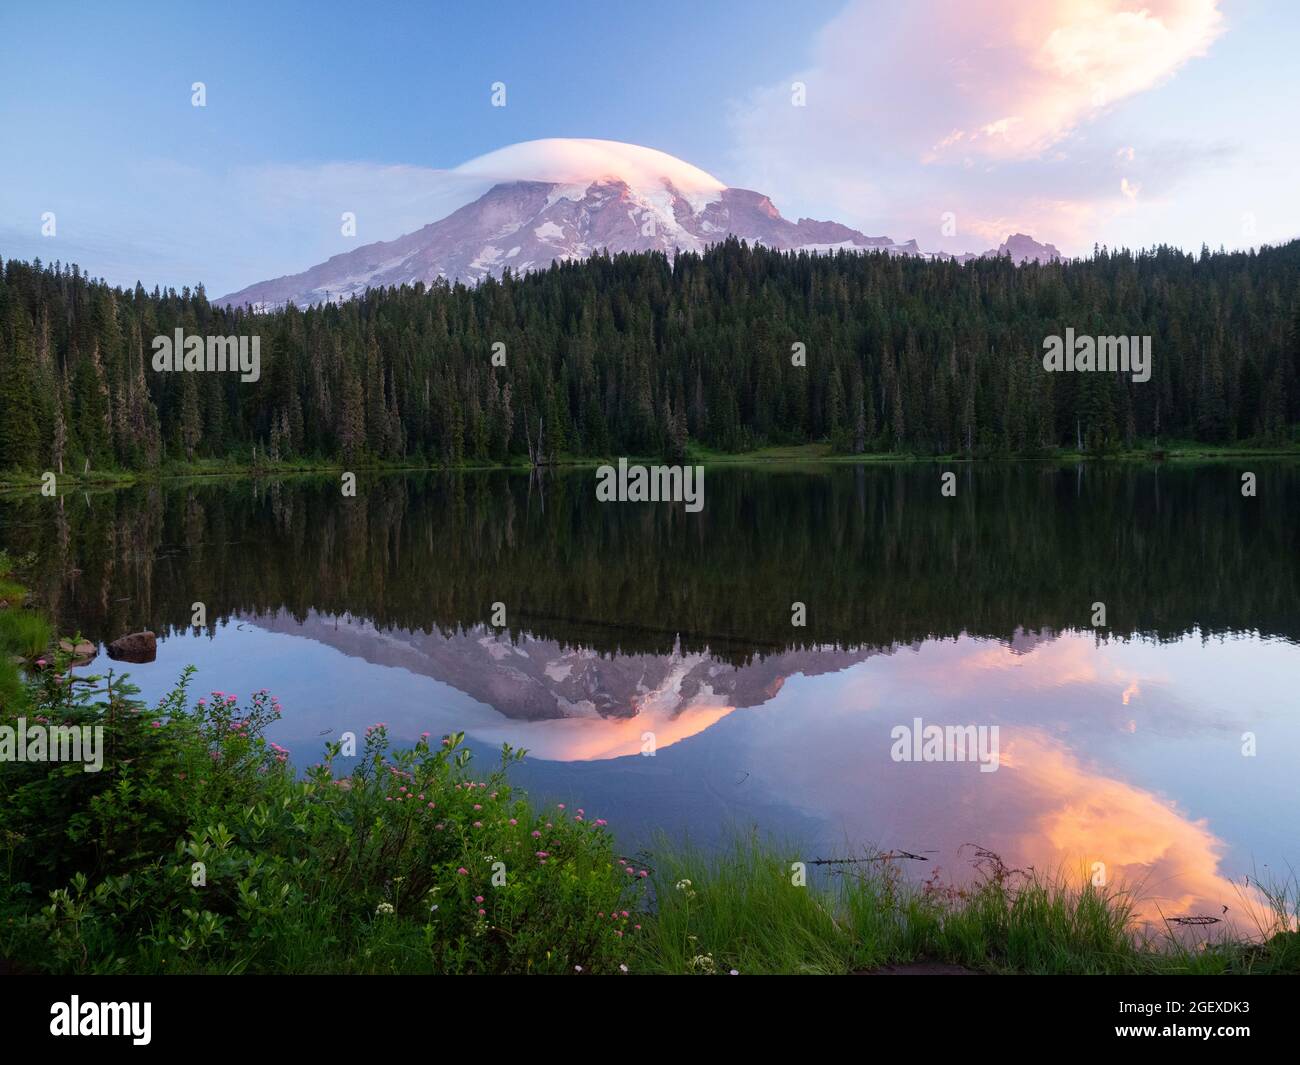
<point x="562" y="199"/>
<point x="1021" y="247"/>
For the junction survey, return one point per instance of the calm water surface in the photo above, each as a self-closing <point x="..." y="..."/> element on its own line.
<point x="1121" y="744"/>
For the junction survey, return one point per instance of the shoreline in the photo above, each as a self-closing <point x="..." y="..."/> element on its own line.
<point x="806" y="455"/>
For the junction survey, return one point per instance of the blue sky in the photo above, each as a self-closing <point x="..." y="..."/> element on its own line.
<point x="1077" y="122"/>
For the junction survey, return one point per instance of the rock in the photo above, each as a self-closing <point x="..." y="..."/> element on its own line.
<point x="80" y="649"/>
<point x="136" y="647"/>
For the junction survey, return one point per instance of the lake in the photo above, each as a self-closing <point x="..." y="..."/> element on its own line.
<point x="651" y="663"/>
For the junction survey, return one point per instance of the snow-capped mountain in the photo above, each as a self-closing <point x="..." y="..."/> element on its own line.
<point x="558" y="200"/>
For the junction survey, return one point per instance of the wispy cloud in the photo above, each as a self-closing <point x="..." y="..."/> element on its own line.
<point x="981" y="108"/>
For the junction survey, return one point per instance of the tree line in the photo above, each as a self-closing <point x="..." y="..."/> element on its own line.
<point x="638" y="354"/>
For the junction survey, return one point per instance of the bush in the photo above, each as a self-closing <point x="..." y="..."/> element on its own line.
<point x="197" y="849"/>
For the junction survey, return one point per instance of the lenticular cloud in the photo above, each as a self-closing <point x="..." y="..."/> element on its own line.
<point x="571" y="160"/>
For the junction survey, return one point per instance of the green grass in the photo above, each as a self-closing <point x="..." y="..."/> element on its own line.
<point x="24" y="632"/>
<point x="740" y="909"/>
<point x="18" y="630"/>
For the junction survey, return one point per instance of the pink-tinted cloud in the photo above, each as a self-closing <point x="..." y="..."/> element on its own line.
<point x="978" y="107"/>
<point x="1026" y="74"/>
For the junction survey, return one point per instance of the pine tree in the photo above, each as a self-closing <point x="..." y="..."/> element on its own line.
<point x="19" y="439"/>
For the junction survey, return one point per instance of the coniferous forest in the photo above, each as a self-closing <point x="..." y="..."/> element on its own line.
<point x="640" y="355"/>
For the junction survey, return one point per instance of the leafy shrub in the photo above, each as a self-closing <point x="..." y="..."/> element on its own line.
<point x="196" y="848"/>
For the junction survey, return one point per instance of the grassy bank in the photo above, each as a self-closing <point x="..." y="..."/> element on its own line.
<point x="1147" y="451"/>
<point x="738" y="909"/>
<point x="24" y="635"/>
<point x="1143" y="452"/>
<point x="197" y="849"/>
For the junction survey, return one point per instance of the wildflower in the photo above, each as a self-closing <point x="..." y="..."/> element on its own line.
<point x="384" y="907"/>
<point x="478" y="806"/>
<point x="462" y="871"/>
<point x="514" y="821"/>
<point x="478" y="824"/>
<point x="561" y="805"/>
<point x="577" y="968"/>
<point x="734" y="972"/>
<point x="536" y="834"/>
<point x="622" y="968"/>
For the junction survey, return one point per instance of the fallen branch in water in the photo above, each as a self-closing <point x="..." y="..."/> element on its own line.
<point x="874" y="858"/>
